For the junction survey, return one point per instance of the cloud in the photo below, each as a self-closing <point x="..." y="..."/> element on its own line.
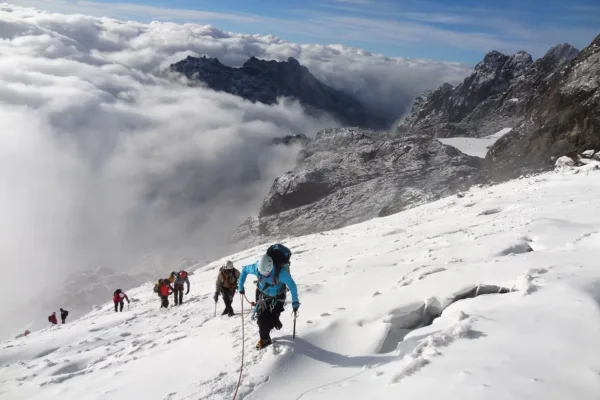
<point x="106" y="159"/>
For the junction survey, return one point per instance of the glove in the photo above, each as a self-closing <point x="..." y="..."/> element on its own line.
<point x="295" y="306"/>
<point x="216" y="297"/>
<point x="188" y="291"/>
<point x="242" y="292"/>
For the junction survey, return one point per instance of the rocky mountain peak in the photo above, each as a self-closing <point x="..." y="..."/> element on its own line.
<point x="562" y="52"/>
<point x="562" y="117"/>
<point x="266" y="80"/>
<point x="493" y="97"/>
<point x="492" y="61"/>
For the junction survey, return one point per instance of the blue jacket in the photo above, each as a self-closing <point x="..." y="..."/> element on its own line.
<point x="272" y="289"/>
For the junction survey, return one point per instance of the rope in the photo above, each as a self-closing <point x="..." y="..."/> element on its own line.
<point x="242" y="365"/>
<point x="249" y="302"/>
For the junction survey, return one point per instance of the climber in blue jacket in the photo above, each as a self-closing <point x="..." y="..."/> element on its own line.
<point x="271" y="280"/>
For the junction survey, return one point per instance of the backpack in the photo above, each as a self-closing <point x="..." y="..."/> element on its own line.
<point x="157" y="285"/>
<point x="229" y="279"/>
<point x="281" y="258"/>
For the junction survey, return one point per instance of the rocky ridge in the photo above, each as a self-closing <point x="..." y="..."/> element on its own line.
<point x="345" y="176"/>
<point x="563" y="118"/>
<point x="493" y="97"/>
<point x="264" y="81"/>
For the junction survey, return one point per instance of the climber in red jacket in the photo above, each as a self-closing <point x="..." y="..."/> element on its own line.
<point x="118" y="297"/>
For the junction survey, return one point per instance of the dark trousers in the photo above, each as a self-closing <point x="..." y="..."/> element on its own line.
<point x="178" y="293"/>
<point x="117" y="304"/>
<point x="227" y="295"/>
<point x="63" y="319"/>
<point x="269" y="310"/>
<point x="164" y="301"/>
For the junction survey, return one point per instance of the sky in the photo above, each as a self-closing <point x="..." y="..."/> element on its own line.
<point x="443" y="30"/>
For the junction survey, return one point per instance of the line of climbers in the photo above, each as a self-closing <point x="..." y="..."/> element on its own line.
<point x="273" y="281"/>
<point x="164" y="289"/>
<point x="63" y="317"/>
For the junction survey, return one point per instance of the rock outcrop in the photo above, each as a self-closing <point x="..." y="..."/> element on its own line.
<point x="564" y="117"/>
<point x="346" y="176"/>
<point x="495" y="96"/>
<point x="264" y="81"/>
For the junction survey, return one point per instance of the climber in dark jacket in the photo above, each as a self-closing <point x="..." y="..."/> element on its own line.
<point x="226" y="285"/>
<point x="63" y="315"/>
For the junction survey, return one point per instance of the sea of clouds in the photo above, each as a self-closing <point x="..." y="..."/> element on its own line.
<point x="107" y="159"/>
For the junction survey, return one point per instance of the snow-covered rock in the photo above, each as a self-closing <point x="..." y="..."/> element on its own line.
<point x="588" y="154"/>
<point x="565" y="161"/>
<point x="460" y="302"/>
<point x="346" y="176"/>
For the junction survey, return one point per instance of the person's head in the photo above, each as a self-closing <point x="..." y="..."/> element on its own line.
<point x="53" y="312"/>
<point x="265" y="265"/>
<point x="62" y="309"/>
<point x="228" y="265"/>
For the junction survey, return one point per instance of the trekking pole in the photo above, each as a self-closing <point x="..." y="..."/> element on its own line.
<point x="215" y="309"/>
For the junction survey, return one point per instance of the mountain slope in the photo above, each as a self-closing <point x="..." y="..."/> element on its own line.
<point x="493" y="97"/>
<point x="565" y="117"/>
<point x="264" y="81"/>
<point x="524" y="247"/>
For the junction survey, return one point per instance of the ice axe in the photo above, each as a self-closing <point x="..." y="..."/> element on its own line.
<point x="294" y="333"/>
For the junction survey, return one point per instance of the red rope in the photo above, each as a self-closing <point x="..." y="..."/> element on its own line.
<point x="242" y="365"/>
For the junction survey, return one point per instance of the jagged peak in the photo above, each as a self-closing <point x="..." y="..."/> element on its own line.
<point x="522" y="55"/>
<point x="562" y="51"/>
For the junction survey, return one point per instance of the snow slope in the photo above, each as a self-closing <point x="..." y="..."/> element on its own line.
<point x="364" y="289"/>
<point x="477" y="147"/>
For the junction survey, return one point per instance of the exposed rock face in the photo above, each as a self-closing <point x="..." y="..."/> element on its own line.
<point x="346" y="176"/>
<point x="493" y="97"/>
<point x="265" y="81"/>
<point x="292" y="139"/>
<point x="563" y="117"/>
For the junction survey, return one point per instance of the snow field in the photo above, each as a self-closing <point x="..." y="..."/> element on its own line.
<point x="387" y="312"/>
<point x="477" y="147"/>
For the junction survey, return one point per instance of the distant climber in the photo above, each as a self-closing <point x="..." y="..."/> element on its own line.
<point x="164" y="289"/>
<point x="52" y="318"/>
<point x="227" y="285"/>
<point x="118" y="297"/>
<point x="178" y="279"/>
<point x="63" y="315"/>
<point x="272" y="270"/>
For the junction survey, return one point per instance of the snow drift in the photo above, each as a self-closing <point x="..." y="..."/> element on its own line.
<point x="437" y="301"/>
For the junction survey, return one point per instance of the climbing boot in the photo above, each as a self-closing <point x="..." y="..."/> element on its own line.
<point x="262" y="343"/>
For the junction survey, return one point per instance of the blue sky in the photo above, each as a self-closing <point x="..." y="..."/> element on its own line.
<point x="444" y="30"/>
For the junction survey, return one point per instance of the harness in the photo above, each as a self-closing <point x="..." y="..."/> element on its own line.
<point x="266" y="302"/>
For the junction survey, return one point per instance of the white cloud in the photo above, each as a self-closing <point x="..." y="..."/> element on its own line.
<point x="105" y="158"/>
